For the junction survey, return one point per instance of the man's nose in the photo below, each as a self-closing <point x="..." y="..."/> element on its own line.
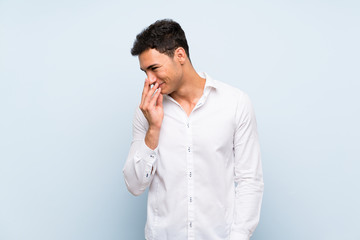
<point x="151" y="76"/>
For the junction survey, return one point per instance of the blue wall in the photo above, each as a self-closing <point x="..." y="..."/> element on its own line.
<point x="69" y="87"/>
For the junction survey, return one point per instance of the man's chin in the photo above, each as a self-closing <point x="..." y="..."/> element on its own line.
<point x="163" y="91"/>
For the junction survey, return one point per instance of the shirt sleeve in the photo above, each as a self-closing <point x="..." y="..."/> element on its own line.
<point x="140" y="165"/>
<point x="247" y="173"/>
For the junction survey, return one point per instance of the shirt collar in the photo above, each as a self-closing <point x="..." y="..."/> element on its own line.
<point x="210" y="83"/>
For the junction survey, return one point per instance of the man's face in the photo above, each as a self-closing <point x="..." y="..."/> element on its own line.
<point x="161" y="68"/>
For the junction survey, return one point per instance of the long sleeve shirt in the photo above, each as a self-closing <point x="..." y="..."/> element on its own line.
<point x="205" y="177"/>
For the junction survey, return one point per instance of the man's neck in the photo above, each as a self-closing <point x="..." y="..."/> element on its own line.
<point x="191" y="89"/>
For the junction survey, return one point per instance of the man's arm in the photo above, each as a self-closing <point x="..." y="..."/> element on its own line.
<point x="140" y="165"/>
<point x="248" y="172"/>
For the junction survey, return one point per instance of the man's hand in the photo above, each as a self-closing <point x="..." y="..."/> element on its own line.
<point x="152" y="108"/>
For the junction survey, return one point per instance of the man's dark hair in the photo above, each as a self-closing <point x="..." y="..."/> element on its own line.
<point x="164" y="35"/>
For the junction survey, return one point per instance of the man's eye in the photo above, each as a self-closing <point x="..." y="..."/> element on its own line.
<point x="154" y="68"/>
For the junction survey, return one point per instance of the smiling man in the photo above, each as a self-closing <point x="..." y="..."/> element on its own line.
<point x="195" y="145"/>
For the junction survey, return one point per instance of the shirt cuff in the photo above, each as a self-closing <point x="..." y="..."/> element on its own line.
<point x="147" y="154"/>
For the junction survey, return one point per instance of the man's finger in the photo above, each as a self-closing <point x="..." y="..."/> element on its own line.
<point x="155" y="98"/>
<point x="150" y="94"/>
<point x="159" y="100"/>
<point x="145" y="90"/>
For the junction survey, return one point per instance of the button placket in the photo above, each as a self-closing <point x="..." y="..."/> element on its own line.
<point x="189" y="155"/>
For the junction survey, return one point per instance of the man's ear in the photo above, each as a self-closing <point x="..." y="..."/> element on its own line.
<point x="180" y="55"/>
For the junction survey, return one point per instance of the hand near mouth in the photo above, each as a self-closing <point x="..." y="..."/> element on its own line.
<point x="152" y="108"/>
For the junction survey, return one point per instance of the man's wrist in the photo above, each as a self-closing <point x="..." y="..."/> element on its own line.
<point x="154" y="129"/>
<point x="152" y="137"/>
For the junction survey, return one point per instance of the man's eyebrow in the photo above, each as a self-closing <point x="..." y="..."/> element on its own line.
<point x="151" y="66"/>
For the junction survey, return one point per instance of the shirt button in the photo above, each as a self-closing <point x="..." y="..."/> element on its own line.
<point x="190" y="174"/>
<point x="188" y="125"/>
<point x="190" y="224"/>
<point x="188" y="149"/>
<point x="190" y="199"/>
<point x="152" y="156"/>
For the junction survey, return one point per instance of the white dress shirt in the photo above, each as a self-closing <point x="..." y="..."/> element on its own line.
<point x="206" y="182"/>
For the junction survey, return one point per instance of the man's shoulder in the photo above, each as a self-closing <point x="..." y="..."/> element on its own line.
<point x="227" y="87"/>
<point x="229" y="94"/>
<point x="228" y="90"/>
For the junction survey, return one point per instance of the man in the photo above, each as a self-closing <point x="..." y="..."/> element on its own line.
<point x="195" y="145"/>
